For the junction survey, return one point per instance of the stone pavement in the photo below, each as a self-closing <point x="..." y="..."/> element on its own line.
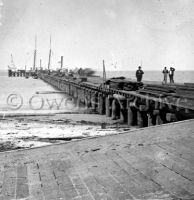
<point x="150" y="163"/>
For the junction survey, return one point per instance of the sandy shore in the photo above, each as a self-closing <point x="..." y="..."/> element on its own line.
<point x="28" y="131"/>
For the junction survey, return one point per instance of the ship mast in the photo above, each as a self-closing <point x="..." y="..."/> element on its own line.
<point x="34" y="64"/>
<point x="61" y="62"/>
<point x="49" y="62"/>
<point x="12" y="63"/>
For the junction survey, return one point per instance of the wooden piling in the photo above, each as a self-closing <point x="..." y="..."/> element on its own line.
<point x="149" y="118"/>
<point x="109" y="100"/>
<point x="94" y="101"/>
<point x="139" y="119"/>
<point x="123" y="110"/>
<point x="171" y="117"/>
<point x="129" y="117"/>
<point x="158" y="120"/>
<point x="114" y="109"/>
<point x="101" y="104"/>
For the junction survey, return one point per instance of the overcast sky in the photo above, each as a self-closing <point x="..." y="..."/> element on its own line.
<point x="125" y="33"/>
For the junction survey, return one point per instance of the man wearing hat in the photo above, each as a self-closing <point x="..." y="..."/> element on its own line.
<point x="139" y="74"/>
<point x="171" y="74"/>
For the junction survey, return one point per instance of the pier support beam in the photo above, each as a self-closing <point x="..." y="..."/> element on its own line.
<point x="131" y="113"/>
<point x="120" y="107"/>
<point x="157" y="117"/>
<point x="139" y="119"/>
<point x="171" y="117"/>
<point x="94" y="101"/>
<point x="129" y="116"/>
<point x="158" y="120"/>
<point x="150" y="120"/>
<point x="109" y="100"/>
<point x="101" y="104"/>
<point x="115" y="109"/>
<point x="142" y="115"/>
<point x="123" y="110"/>
<point x="88" y="98"/>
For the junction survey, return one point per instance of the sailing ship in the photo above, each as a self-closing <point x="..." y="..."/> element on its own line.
<point x="33" y="72"/>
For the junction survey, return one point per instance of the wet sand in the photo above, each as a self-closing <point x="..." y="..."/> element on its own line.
<point x="28" y="131"/>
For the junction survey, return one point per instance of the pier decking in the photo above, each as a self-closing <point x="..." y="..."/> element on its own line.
<point x="150" y="163"/>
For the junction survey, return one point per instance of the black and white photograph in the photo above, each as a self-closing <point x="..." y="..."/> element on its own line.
<point x="96" y="99"/>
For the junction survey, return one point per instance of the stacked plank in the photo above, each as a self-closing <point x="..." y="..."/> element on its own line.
<point x="121" y="84"/>
<point x="158" y="90"/>
<point x="179" y="95"/>
<point x="187" y="91"/>
<point x="173" y="90"/>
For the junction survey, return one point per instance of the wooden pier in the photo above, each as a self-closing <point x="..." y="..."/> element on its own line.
<point x="134" y="103"/>
<point x="21" y="73"/>
<point x="150" y="163"/>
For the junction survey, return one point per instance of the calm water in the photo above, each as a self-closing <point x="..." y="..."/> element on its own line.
<point x="179" y="77"/>
<point x="16" y="88"/>
<point x="27" y="88"/>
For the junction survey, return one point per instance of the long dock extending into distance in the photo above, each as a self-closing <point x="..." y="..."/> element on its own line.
<point x="136" y="104"/>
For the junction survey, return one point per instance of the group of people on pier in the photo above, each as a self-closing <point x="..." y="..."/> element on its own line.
<point x="171" y="74"/>
<point x="166" y="72"/>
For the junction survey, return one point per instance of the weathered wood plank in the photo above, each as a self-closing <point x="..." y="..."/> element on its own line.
<point x="140" y="186"/>
<point x="187" y="142"/>
<point x="104" y="177"/>
<point x="34" y="181"/>
<point x="96" y="190"/>
<point x="22" y="190"/>
<point x="48" y="182"/>
<point x="178" y="150"/>
<point x="169" y="180"/>
<point x="171" y="161"/>
<point x="1" y="179"/>
<point x="115" y="167"/>
<point x="66" y="186"/>
<point x="9" y="183"/>
<point x="77" y="182"/>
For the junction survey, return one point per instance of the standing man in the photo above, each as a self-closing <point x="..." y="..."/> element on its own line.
<point x="171" y="74"/>
<point x="139" y="74"/>
<point x="165" y="72"/>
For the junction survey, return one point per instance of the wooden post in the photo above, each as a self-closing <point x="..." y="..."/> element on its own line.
<point x="171" y="117"/>
<point x="139" y="119"/>
<point x="107" y="106"/>
<point x="149" y="119"/>
<point x="129" y="116"/>
<point x="86" y="98"/>
<point x="109" y="100"/>
<point x="94" y="101"/>
<point x="123" y="110"/>
<point x="114" y="109"/>
<point x="101" y="104"/>
<point x="158" y="120"/>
